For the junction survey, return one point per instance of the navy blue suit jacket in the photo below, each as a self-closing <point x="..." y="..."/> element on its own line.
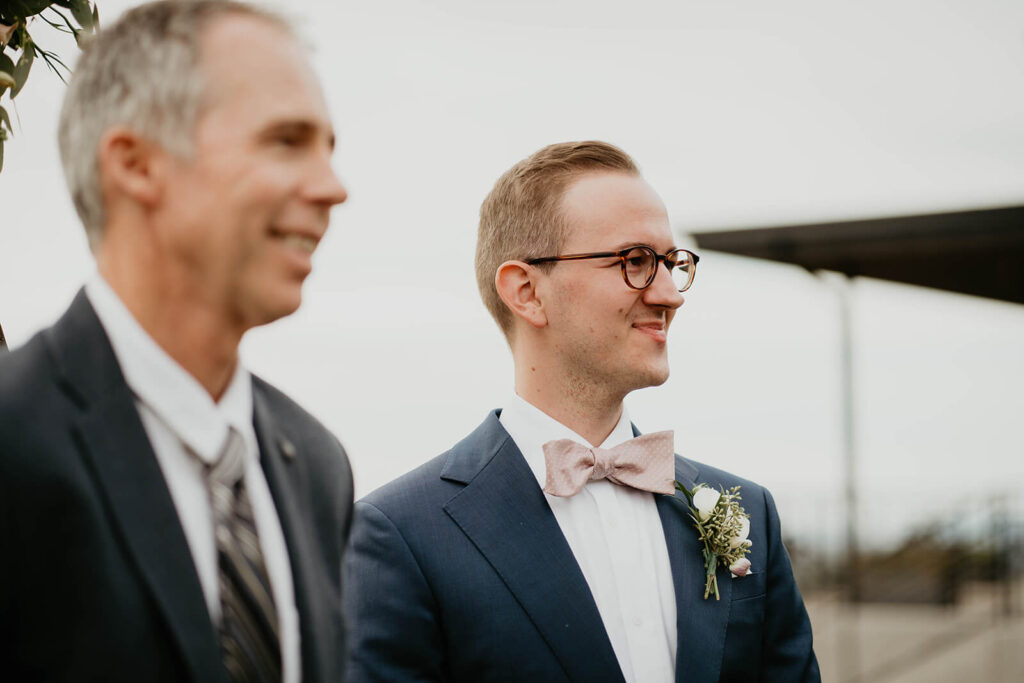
<point x="97" y="581"/>
<point x="458" y="571"/>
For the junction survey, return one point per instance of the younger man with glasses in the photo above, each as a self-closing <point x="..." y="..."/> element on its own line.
<point x="546" y="546"/>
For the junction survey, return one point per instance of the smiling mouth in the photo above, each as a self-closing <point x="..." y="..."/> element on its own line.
<point x="301" y="242"/>
<point x="655" y="329"/>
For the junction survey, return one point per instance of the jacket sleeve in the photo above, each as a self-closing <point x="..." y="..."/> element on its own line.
<point x="787" y="650"/>
<point x="390" y="610"/>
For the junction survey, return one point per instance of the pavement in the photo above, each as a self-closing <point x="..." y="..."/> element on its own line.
<point x="978" y="640"/>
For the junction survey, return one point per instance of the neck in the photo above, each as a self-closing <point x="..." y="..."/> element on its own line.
<point x="190" y="329"/>
<point x="587" y="410"/>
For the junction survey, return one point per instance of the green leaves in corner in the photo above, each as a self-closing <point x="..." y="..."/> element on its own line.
<point x="86" y="16"/>
<point x="5" y="131"/>
<point x="26" y="8"/>
<point x="22" y="68"/>
<point x="6" y="73"/>
<point x="79" y="18"/>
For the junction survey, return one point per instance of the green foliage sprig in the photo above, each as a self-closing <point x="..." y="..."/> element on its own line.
<point x="19" y="50"/>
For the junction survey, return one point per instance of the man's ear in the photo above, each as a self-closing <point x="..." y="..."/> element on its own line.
<point x="517" y="286"/>
<point x="128" y="165"/>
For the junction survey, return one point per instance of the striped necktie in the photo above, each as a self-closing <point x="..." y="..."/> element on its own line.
<point x="249" y="641"/>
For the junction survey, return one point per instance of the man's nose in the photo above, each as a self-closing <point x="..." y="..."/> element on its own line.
<point x="332" y="191"/>
<point x="663" y="292"/>
<point x="323" y="185"/>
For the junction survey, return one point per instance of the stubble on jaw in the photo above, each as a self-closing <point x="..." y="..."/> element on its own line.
<point x="593" y="389"/>
<point x="595" y="382"/>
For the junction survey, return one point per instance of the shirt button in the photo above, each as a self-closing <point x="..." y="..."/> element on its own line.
<point x="637" y="621"/>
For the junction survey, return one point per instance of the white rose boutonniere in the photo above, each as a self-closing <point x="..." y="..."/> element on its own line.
<point x="723" y="528"/>
<point x="704" y="501"/>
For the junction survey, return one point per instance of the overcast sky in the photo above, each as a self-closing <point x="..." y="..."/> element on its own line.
<point x="741" y="114"/>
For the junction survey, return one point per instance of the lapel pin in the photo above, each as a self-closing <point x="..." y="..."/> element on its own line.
<point x="288" y="448"/>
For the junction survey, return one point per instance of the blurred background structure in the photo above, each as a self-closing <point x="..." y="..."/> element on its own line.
<point x="743" y="115"/>
<point x="959" y="575"/>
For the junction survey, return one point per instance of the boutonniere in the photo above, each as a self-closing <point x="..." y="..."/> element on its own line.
<point x="723" y="527"/>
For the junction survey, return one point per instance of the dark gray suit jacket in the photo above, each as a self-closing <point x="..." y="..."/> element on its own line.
<point x="96" y="579"/>
<point x="458" y="571"/>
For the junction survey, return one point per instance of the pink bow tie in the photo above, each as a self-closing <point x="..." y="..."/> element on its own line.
<point x="646" y="463"/>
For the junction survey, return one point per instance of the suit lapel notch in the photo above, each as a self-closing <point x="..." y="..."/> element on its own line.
<point x="471" y="455"/>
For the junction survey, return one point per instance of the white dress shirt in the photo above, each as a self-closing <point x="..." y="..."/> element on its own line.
<point x="616" y="535"/>
<point x="177" y="412"/>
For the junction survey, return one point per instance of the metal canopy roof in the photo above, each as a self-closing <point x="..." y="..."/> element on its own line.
<point x="978" y="252"/>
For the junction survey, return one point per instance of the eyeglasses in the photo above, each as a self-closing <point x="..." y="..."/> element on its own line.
<point x="640" y="264"/>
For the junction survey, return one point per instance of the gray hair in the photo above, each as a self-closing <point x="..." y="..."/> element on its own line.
<point x="142" y="72"/>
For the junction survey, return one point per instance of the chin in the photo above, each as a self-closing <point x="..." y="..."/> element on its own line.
<point x="647" y="377"/>
<point x="656" y="376"/>
<point x="266" y="312"/>
<point x="657" y="380"/>
<point x="284" y="310"/>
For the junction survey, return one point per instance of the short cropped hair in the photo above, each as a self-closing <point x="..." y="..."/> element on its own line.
<point x="521" y="218"/>
<point x="144" y="72"/>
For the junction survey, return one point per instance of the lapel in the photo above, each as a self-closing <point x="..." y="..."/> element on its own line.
<point x="284" y="475"/>
<point x="700" y="623"/>
<point x="504" y="513"/>
<point x="117" y="450"/>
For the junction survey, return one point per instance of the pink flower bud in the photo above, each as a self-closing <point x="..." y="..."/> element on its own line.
<point x="740" y="567"/>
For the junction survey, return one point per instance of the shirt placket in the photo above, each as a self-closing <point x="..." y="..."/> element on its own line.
<point x="624" y="553"/>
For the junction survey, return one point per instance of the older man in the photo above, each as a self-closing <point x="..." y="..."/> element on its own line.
<point x="165" y="515"/>
<point x="546" y="545"/>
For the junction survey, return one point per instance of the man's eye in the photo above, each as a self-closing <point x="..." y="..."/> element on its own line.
<point x="638" y="260"/>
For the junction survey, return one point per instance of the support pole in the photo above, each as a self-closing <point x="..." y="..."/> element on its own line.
<point x="850" y="660"/>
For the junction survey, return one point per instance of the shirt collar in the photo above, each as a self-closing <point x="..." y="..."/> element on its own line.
<point x="166" y="388"/>
<point x="531" y="428"/>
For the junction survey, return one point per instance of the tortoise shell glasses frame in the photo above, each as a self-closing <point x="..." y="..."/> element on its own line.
<point x="640" y="264"/>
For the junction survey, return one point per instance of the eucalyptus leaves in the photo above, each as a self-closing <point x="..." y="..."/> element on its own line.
<point x="723" y="528"/>
<point x="18" y="50"/>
